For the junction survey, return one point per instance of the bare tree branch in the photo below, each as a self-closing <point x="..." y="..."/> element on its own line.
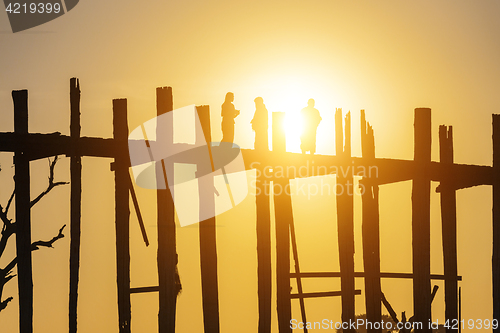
<point x="9" y="228"/>
<point x="5" y="274"/>
<point x="51" y="183"/>
<point x="35" y="245"/>
<point x="7" y="231"/>
<point x="3" y="304"/>
<point x="3" y="216"/>
<point x="9" y="202"/>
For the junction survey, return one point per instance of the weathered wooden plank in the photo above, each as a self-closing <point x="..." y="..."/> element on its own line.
<point x="496" y="219"/>
<point x="383" y="170"/>
<point x="23" y="215"/>
<point x="345" y="223"/>
<point x="371" y="233"/>
<point x="383" y="275"/>
<point x="122" y="216"/>
<point x="208" y="237"/>
<point x="421" y="219"/>
<point x="140" y="290"/>
<point x="297" y="270"/>
<point x="76" y="200"/>
<point x="449" y="228"/>
<point x="283" y="216"/>
<point x="321" y="294"/>
<point x="264" y="271"/>
<point x="167" y="248"/>
<point x="263" y="226"/>
<point x="380" y="170"/>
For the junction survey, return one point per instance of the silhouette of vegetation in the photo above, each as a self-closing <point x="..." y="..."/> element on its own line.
<point x="9" y="229"/>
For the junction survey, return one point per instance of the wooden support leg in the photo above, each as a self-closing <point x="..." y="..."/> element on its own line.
<point x="122" y="214"/>
<point x="264" y="253"/>
<point x="23" y="215"/>
<point x="167" y="251"/>
<point x="371" y="256"/>
<point x="345" y="225"/>
<point x="371" y="233"/>
<point x="283" y="214"/>
<point x="496" y="219"/>
<point x="345" y="221"/>
<point x="76" y="198"/>
<point x="208" y="239"/>
<point x="449" y="227"/>
<point x="421" y="219"/>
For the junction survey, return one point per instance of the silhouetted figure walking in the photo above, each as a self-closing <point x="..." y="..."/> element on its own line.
<point x="310" y="121"/>
<point x="260" y="125"/>
<point x="228" y="114"/>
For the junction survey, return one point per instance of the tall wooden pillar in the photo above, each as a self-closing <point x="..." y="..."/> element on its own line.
<point x="496" y="219"/>
<point x="449" y="226"/>
<point x="76" y="198"/>
<point x="370" y="230"/>
<point x="263" y="226"/>
<point x="283" y="216"/>
<point x="23" y="215"/>
<point x="345" y="219"/>
<point x="122" y="213"/>
<point x="421" y="219"/>
<point x="208" y="238"/>
<point x="264" y="271"/>
<point x="167" y="251"/>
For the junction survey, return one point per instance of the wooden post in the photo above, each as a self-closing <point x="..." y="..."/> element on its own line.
<point x="263" y="226"/>
<point x="283" y="216"/>
<point x="208" y="239"/>
<point x="167" y="251"/>
<point x="122" y="213"/>
<point x="421" y="219"/>
<point x="23" y="216"/>
<point x="264" y="271"/>
<point x="370" y="230"/>
<point x="300" y="291"/>
<point x="449" y="226"/>
<point x="345" y="220"/>
<point x="76" y="198"/>
<point x="496" y="219"/>
<point x="339" y="133"/>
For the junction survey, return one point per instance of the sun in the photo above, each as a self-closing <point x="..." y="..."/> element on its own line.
<point x="293" y="130"/>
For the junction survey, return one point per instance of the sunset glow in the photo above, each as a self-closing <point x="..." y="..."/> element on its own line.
<point x="386" y="57"/>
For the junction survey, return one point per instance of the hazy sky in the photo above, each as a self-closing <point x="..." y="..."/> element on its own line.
<point x="387" y="57"/>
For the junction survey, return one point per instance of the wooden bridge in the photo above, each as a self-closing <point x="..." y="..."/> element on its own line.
<point x="421" y="170"/>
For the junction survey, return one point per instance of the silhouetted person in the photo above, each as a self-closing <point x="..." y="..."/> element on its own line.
<point x="228" y="114"/>
<point x="260" y="125"/>
<point x="310" y="122"/>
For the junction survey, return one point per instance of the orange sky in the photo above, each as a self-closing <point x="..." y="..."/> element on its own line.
<point x="387" y="57"/>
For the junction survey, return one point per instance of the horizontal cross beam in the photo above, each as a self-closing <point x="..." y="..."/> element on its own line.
<point x="377" y="171"/>
<point x="322" y="294"/>
<point x="362" y="274"/>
